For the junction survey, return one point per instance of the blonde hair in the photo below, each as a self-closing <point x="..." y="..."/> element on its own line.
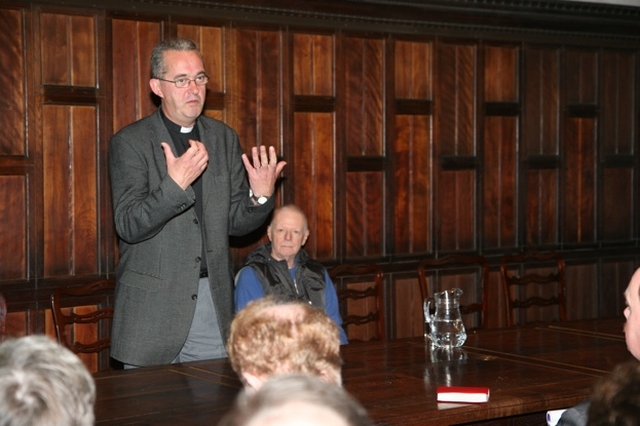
<point x="272" y="336"/>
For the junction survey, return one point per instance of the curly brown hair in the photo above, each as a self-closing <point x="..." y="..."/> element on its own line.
<point x="272" y="336"/>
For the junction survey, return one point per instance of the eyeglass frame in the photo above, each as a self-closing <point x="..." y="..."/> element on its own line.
<point x="188" y="80"/>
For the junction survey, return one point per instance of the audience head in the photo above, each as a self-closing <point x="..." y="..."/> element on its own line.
<point x="288" y="231"/>
<point x="632" y="314"/>
<point x="43" y="383"/>
<point x="615" y="400"/>
<point x="297" y="400"/>
<point x="271" y="336"/>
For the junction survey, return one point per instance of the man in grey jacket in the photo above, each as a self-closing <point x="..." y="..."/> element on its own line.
<point x="179" y="187"/>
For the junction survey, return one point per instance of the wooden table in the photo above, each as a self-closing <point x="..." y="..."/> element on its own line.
<point x="529" y="370"/>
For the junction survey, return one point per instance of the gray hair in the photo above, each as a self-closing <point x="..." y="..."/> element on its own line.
<point x="43" y="383"/>
<point x="272" y="402"/>
<point x="158" y="67"/>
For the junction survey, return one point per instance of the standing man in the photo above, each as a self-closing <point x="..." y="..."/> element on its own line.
<point x="283" y="268"/>
<point x="179" y="187"/>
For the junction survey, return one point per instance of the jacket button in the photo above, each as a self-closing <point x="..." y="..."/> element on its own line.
<point x="198" y="259"/>
<point x="195" y="221"/>
<point x="194" y="297"/>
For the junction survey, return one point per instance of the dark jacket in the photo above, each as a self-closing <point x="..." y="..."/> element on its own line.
<point x="161" y="238"/>
<point x="309" y="284"/>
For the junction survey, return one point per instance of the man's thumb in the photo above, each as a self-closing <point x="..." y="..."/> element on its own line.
<point x="168" y="154"/>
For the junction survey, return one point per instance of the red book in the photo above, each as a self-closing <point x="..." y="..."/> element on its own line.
<point x="462" y="394"/>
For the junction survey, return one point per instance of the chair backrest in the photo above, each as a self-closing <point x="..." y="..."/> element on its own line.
<point x="534" y="279"/>
<point x="3" y="317"/>
<point x="82" y="318"/>
<point x="360" y="291"/>
<point x="453" y="263"/>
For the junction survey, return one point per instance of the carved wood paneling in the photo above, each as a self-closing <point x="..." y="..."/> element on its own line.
<point x="132" y="43"/>
<point x="408" y="131"/>
<point x="412" y="148"/>
<point x="13" y="211"/>
<point x="313" y="154"/>
<point x="500" y="211"/>
<point x="579" y="176"/>
<point x="70" y="192"/>
<point x="12" y="83"/>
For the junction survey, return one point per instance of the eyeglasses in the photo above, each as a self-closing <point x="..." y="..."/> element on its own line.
<point x="183" y="82"/>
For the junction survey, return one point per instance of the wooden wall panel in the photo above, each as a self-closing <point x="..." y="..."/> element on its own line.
<point x="257" y="98"/>
<point x="363" y="96"/>
<point x="13" y="81"/>
<point x="413" y="176"/>
<point x="413" y="70"/>
<point x="70" y="192"/>
<point x="500" y="191"/>
<point x="313" y="156"/>
<point x="407" y="317"/>
<point x="501" y="74"/>
<point x="580" y="68"/>
<point x="84" y="186"/>
<point x="364" y="215"/>
<point x="412" y="149"/>
<point x="541" y="207"/>
<point x="617" y="217"/>
<point x="456" y="211"/>
<point x="312" y="175"/>
<point x="618" y="109"/>
<point x="57" y="190"/>
<point x="68" y="50"/>
<point x="579" y="177"/>
<point x="614" y="278"/>
<point x="313" y="65"/>
<point x="540" y="143"/>
<point x="13" y="233"/>
<point x="364" y="136"/>
<point x="581" y="290"/>
<point x="456" y="94"/>
<point x="541" y="107"/>
<point x="455" y="137"/>
<point x="618" y="116"/>
<point x="211" y="41"/>
<point x="132" y="43"/>
<point x="399" y="145"/>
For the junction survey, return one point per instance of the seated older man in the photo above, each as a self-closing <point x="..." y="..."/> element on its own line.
<point x="283" y="268"/>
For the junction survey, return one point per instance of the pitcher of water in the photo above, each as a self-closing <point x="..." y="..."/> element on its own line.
<point x="446" y="329"/>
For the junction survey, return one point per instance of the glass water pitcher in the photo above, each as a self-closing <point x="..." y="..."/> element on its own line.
<point x="446" y="329"/>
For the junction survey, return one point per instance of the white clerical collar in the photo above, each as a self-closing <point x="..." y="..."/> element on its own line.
<point x="186" y="129"/>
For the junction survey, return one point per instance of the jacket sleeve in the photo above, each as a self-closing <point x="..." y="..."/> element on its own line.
<point x="145" y="198"/>
<point x="332" y="308"/>
<point x="248" y="288"/>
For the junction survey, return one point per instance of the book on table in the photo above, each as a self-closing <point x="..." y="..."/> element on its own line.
<point x="463" y="394"/>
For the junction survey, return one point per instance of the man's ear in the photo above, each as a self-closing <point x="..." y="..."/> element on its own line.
<point x="252" y="381"/>
<point x="154" y="83"/>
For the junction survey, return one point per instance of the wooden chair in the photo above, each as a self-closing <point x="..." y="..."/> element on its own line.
<point x="454" y="262"/>
<point x="528" y="279"/>
<point x="3" y="317"/>
<point x="354" y="291"/>
<point x="82" y="317"/>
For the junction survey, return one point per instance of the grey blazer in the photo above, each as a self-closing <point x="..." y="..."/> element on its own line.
<point x="160" y="237"/>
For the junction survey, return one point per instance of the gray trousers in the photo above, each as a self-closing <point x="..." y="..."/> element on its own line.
<point x="205" y="339"/>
